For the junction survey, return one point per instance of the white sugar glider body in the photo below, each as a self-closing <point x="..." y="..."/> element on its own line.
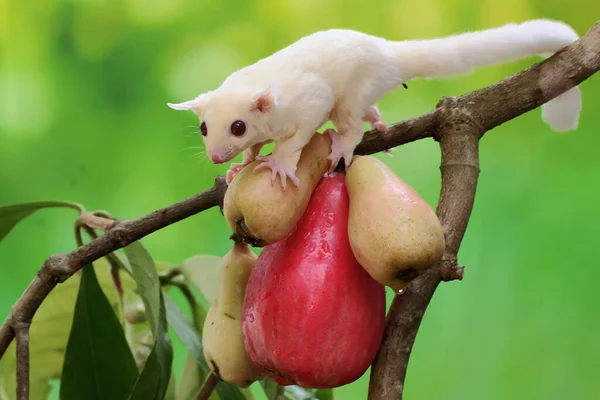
<point x="338" y="75"/>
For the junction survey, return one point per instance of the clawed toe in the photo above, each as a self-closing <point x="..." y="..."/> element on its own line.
<point x="229" y="176"/>
<point x="234" y="169"/>
<point x="277" y="169"/>
<point x="335" y="159"/>
<point x="339" y="152"/>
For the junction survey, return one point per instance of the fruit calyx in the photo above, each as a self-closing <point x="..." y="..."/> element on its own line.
<point x="241" y="234"/>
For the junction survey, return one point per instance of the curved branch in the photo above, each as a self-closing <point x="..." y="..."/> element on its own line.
<point x="462" y="122"/>
<point x="459" y="140"/>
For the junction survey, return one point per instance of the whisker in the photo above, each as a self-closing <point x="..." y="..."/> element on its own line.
<point x="201" y="158"/>
<point x="195" y="148"/>
<point x="195" y="129"/>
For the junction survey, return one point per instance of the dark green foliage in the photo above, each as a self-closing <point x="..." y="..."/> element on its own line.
<point x="98" y="362"/>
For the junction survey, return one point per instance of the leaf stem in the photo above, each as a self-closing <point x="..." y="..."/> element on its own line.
<point x="57" y="204"/>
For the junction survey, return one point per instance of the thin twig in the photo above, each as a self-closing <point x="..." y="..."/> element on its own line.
<point x="210" y="383"/>
<point x="193" y="303"/>
<point x="167" y="276"/>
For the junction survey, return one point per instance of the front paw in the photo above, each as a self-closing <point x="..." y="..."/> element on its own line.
<point x="336" y="156"/>
<point x="234" y="169"/>
<point x="278" y="168"/>
<point x="380" y="126"/>
<point x="339" y="151"/>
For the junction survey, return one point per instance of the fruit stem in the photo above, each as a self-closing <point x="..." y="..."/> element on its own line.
<point x="207" y="387"/>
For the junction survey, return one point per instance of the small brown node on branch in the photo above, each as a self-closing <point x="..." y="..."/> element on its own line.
<point x="451" y="272"/>
<point x="121" y="235"/>
<point x="57" y="267"/>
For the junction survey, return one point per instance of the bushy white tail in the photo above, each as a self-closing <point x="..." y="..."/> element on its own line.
<point x="461" y="54"/>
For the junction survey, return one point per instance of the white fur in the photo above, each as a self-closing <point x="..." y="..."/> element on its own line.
<point x="338" y="75"/>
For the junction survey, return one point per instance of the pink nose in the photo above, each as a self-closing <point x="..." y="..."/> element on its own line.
<point x="218" y="158"/>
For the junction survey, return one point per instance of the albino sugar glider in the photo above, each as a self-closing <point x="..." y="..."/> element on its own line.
<point x="338" y="75"/>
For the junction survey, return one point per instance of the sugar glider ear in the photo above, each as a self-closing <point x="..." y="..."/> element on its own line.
<point x="195" y="105"/>
<point x="264" y="100"/>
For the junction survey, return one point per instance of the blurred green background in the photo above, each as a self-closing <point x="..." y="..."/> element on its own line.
<point x="83" y="117"/>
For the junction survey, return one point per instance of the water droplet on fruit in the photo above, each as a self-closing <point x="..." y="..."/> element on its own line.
<point x="329" y="217"/>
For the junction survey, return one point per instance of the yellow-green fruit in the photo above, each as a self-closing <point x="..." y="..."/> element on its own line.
<point x="260" y="210"/>
<point x="222" y="334"/>
<point x="393" y="232"/>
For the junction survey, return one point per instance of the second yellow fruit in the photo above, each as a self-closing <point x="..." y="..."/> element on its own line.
<point x="393" y="232"/>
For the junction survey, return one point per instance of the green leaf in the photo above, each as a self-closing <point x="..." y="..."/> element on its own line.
<point x="190" y="338"/>
<point x="185" y="330"/>
<point x="274" y="391"/>
<point x="228" y="391"/>
<point x="202" y="272"/>
<point x="49" y="334"/>
<point x="170" y="395"/>
<point x="248" y="393"/>
<point x="324" y="394"/>
<point x="193" y="374"/>
<point x="154" y="378"/>
<point x="98" y="362"/>
<point x="11" y="215"/>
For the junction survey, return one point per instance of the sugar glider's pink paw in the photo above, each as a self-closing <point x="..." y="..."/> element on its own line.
<point x="234" y="169"/>
<point x="373" y="117"/>
<point x="229" y="176"/>
<point x="277" y="168"/>
<point x="380" y="126"/>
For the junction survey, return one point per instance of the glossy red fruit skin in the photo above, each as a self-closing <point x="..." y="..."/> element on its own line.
<point x="312" y="315"/>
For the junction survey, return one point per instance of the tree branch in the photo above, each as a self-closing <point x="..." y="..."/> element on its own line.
<point x="60" y="267"/>
<point x="462" y="121"/>
<point x="22" y="331"/>
<point x="457" y="123"/>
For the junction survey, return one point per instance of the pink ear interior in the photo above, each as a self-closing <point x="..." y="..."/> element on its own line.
<point x="264" y="100"/>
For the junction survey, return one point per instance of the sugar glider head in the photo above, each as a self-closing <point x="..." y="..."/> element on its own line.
<point x="233" y="120"/>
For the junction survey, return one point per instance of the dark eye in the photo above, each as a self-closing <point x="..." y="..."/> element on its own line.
<point x="238" y="128"/>
<point x="203" y="128"/>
